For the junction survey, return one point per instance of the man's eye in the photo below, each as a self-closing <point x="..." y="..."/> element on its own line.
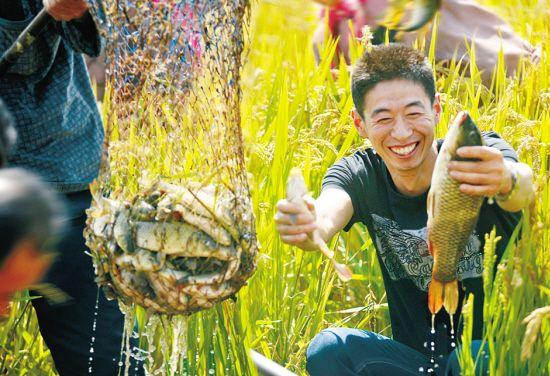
<point x="384" y="121"/>
<point x="414" y="115"/>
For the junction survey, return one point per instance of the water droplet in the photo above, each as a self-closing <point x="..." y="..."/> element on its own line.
<point x="453" y="344"/>
<point x="211" y="371"/>
<point x="421" y="369"/>
<point x="92" y="350"/>
<point x="120" y="364"/>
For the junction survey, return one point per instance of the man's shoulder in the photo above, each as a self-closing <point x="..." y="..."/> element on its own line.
<point x="359" y="169"/>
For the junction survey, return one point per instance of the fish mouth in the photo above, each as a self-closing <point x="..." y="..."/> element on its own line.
<point x="404" y="151"/>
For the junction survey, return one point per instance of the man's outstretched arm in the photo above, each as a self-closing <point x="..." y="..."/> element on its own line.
<point x="328" y="214"/>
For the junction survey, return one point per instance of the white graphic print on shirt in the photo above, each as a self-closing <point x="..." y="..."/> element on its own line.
<point x="405" y="253"/>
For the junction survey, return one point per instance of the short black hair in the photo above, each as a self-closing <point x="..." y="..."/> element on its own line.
<point x="7" y="133"/>
<point x="389" y="62"/>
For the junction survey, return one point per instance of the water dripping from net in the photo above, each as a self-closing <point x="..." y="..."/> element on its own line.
<point x="94" y="329"/>
<point x="125" y="349"/>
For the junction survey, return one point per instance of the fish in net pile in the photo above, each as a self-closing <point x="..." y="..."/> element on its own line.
<point x="171" y="226"/>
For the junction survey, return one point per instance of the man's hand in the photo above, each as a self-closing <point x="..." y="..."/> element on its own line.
<point x="489" y="176"/>
<point x="294" y="224"/>
<point x="66" y="10"/>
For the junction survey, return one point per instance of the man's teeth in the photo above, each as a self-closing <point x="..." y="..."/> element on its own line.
<point x="403" y="150"/>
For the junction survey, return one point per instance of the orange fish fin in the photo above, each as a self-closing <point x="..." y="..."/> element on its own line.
<point x="450" y="300"/>
<point x="430" y="209"/>
<point x="435" y="296"/>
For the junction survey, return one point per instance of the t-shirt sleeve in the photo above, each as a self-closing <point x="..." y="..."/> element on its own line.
<point x="493" y="139"/>
<point x="341" y="176"/>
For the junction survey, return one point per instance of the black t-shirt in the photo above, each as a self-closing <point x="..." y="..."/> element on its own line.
<point x="397" y="225"/>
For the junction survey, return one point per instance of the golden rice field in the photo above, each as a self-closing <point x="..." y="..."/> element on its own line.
<point x="295" y="114"/>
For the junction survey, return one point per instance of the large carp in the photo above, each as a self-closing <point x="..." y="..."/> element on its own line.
<point x="452" y="216"/>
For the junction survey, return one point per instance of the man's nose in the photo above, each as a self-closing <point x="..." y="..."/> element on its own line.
<point x="401" y="129"/>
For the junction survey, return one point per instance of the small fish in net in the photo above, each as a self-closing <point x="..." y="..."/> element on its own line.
<point x="171" y="226"/>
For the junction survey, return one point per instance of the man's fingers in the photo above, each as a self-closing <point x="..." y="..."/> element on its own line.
<point x="474" y="178"/>
<point x="480" y="152"/>
<point x="294" y="239"/>
<point x="282" y="218"/>
<point x="478" y="190"/>
<point x="466" y="166"/>
<point x="288" y="207"/>
<point x="295" y="230"/>
<point x="65" y="10"/>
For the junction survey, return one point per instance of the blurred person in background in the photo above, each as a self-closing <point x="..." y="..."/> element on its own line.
<point x="60" y="137"/>
<point x="461" y="24"/>
<point x="31" y="216"/>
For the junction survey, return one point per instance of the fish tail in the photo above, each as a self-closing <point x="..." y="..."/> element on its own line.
<point x="450" y="300"/>
<point x="435" y="296"/>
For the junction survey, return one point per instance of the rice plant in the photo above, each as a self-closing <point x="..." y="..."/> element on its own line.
<point x="296" y="114"/>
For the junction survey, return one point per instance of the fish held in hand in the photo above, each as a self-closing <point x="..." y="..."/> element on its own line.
<point x="452" y="216"/>
<point x="296" y="189"/>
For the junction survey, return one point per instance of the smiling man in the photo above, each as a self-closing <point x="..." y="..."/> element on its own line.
<point x="385" y="187"/>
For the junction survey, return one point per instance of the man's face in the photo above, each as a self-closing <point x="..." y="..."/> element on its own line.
<point x="399" y="122"/>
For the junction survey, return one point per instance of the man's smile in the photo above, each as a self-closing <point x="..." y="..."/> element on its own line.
<point x="404" y="150"/>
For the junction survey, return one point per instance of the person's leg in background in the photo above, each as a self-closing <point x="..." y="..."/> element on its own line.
<point x="67" y="327"/>
<point x="349" y="352"/>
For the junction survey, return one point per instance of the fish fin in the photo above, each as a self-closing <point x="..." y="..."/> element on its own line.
<point x="450" y="300"/>
<point x="435" y="296"/>
<point x="430" y="209"/>
<point x="322" y="245"/>
<point x="430" y="245"/>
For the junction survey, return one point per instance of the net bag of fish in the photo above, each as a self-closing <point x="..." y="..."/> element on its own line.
<point x="171" y="225"/>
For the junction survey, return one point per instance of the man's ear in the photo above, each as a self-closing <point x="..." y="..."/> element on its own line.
<point x="437" y="107"/>
<point x="358" y="123"/>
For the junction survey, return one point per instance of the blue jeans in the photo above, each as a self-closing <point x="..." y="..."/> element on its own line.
<point x="350" y="352"/>
<point x="67" y="327"/>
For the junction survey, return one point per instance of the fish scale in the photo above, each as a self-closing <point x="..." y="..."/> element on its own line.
<point x="455" y="215"/>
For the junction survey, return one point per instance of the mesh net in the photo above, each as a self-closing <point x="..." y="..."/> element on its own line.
<point x="171" y="226"/>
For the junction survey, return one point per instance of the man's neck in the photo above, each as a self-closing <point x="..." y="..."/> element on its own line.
<point x="417" y="181"/>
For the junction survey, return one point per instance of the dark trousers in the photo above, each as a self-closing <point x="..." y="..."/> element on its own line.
<point x="352" y="352"/>
<point x="67" y="328"/>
